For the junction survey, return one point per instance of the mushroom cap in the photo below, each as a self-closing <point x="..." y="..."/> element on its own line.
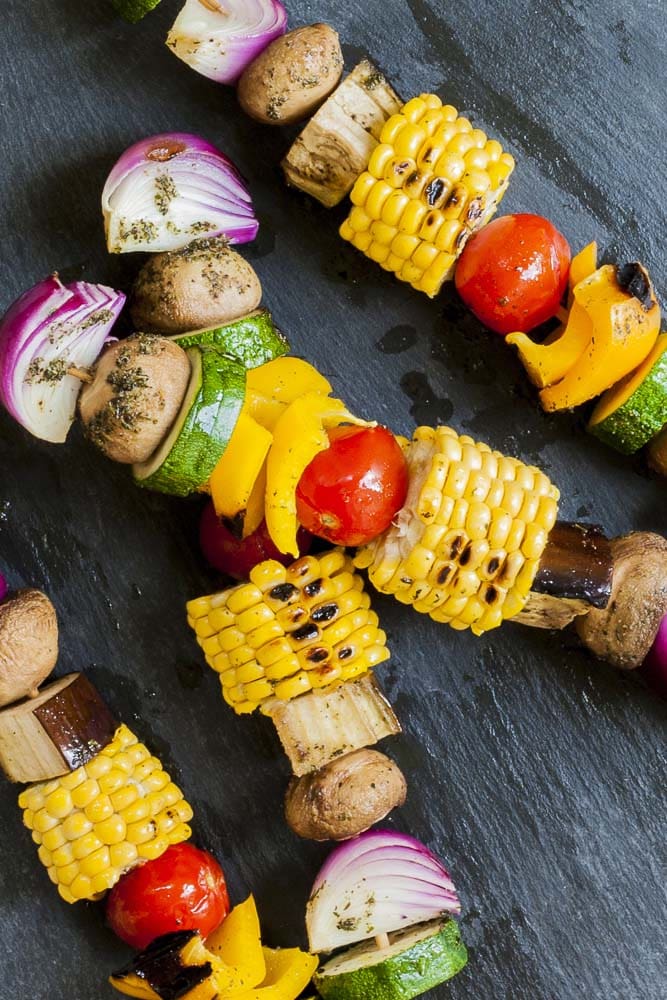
<point x="201" y="286"/>
<point x="28" y="643"/>
<point x="345" y="797"/>
<point x="623" y="632"/>
<point x="138" y="387"/>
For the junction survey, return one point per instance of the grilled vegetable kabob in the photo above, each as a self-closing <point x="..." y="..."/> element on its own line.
<point x="107" y="818"/>
<point x="423" y="183"/>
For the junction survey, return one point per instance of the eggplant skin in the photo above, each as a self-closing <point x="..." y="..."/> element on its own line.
<point x="577" y="564"/>
<point x="164" y="967"/>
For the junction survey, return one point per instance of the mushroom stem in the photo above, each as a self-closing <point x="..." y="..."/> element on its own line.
<point x="82" y="374"/>
<point x="382" y="941"/>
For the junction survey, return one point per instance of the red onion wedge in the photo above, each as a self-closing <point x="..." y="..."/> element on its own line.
<point x="50" y="329"/>
<point x="654" y="667"/>
<point x="170" y="189"/>
<point x="379" y="882"/>
<point x="3" y="588"/>
<point x="219" y="38"/>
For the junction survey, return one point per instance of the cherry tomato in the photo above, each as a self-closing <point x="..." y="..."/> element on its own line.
<point x="183" y="889"/>
<point x="512" y="274"/>
<point x="237" y="556"/>
<point x="350" y="492"/>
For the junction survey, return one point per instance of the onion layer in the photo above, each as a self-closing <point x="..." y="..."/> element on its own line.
<point x="170" y="189"/>
<point x="378" y="883"/>
<point x="50" y="329"/>
<point x="219" y="38"/>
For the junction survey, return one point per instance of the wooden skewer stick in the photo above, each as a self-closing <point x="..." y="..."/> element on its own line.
<point x="82" y="374"/>
<point x="562" y="314"/>
<point x="382" y="941"/>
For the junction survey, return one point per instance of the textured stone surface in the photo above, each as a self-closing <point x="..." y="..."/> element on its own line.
<point x="536" y="773"/>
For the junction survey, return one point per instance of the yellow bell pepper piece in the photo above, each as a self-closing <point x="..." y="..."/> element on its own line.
<point x="299" y="435"/>
<point x="550" y="361"/>
<point x="583" y="264"/>
<point x="238" y="943"/>
<point x="232" y="481"/>
<point x="622" y="335"/>
<point x="287" y="378"/>
<point x="254" y="514"/>
<point x="133" y="986"/>
<point x="288" y="972"/>
<point x="273" y="386"/>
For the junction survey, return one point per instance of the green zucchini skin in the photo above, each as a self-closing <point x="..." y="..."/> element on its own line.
<point x="253" y="340"/>
<point x="134" y="11"/>
<point x="205" y="430"/>
<point x="641" y="416"/>
<point x="413" y="971"/>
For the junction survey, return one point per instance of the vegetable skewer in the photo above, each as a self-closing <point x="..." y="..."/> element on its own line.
<point x="106" y="816"/>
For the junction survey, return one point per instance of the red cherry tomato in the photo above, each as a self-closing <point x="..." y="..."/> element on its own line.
<point x="512" y="274"/>
<point x="237" y="556"/>
<point x="350" y="492"/>
<point x="183" y="889"/>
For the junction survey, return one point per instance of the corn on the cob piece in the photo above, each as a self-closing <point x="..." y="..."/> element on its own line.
<point x="289" y="631"/>
<point x="432" y="181"/>
<point x="466" y="546"/>
<point x="325" y="725"/>
<point x="94" y="824"/>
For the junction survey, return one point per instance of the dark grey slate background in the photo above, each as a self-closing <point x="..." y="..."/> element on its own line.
<point x="536" y="773"/>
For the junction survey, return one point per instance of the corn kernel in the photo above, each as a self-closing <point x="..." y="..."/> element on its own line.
<point x="292" y="687"/>
<point x="85" y="845"/>
<point x="411" y="219"/>
<point x="111" y="831"/>
<point x="221" y="618"/>
<point x="241" y="655"/>
<point x="424" y="256"/>
<point x="382" y="233"/>
<point x="380" y="157"/>
<point x="362" y="241"/>
<point x="391" y="128"/>
<point x="376" y="199"/>
<point x="268" y="574"/>
<point x="123" y="855"/>
<point x="273" y="652"/>
<point x="362" y="188"/>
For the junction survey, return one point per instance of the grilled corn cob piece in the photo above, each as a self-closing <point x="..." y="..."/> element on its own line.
<point x="324" y="725"/>
<point x="432" y="181"/>
<point x="94" y="824"/>
<point x="466" y="546"/>
<point x="289" y="631"/>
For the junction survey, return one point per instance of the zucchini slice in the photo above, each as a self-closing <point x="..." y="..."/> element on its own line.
<point x="252" y="339"/>
<point x="134" y="10"/>
<point x="417" y="959"/>
<point x="198" y="438"/>
<point x="635" y="409"/>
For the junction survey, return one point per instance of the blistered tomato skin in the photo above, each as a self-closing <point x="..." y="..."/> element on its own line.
<point x="183" y="889"/>
<point x="350" y="493"/>
<point x="237" y="556"/>
<point x="513" y="273"/>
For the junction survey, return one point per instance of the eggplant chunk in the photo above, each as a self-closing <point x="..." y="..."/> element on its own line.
<point x="577" y="565"/>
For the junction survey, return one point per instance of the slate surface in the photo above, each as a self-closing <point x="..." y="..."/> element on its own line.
<point x="535" y="772"/>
